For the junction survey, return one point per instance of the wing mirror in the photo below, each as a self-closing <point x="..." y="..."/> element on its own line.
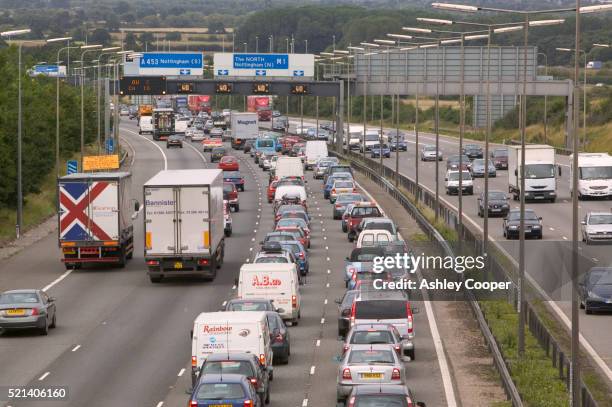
<point x="338" y="301"/>
<point x="416" y="310"/>
<point x="516" y="173"/>
<point x="583" y="222"/>
<point x="559" y="167"/>
<point x="52" y="299"/>
<point x="236" y="281"/>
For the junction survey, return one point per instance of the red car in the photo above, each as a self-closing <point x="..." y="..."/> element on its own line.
<point x="360" y="211"/>
<point x="230" y="194"/>
<point x="271" y="191"/>
<point x="287" y="143"/>
<point x="229" y="163"/>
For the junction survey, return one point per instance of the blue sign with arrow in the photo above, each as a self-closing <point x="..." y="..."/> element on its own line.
<point x="110" y="145"/>
<point x="298" y="73"/>
<point x="261" y="61"/>
<point x="260" y="72"/>
<point x="72" y="167"/>
<point x="46" y="68"/>
<point x="222" y="72"/>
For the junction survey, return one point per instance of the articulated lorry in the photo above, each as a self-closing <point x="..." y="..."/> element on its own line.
<point x="163" y="123"/>
<point x="540" y="172"/>
<point x="245" y="126"/>
<point x="95" y="218"/>
<point x="183" y="224"/>
<point x="594" y="175"/>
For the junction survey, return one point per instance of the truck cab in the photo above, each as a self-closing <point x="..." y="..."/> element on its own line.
<point x="540" y="172"/>
<point x="594" y="175"/>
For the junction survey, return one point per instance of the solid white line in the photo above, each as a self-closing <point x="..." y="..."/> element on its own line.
<point x="155" y="144"/>
<point x="180" y="373"/>
<point x="41" y="378"/>
<point x="76" y="348"/>
<point x="327" y="285"/>
<point x="57" y="280"/>
<point x="312" y="370"/>
<point x="199" y="153"/>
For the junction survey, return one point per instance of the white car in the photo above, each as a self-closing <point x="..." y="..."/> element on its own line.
<point x="452" y="182"/>
<point x="597" y="227"/>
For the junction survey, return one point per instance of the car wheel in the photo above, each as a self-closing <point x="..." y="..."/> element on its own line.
<point x="581" y="305"/>
<point x="53" y="321"/>
<point x="237" y="208"/>
<point x="344" y="229"/>
<point x="267" y="400"/>
<point x="587" y="310"/>
<point x="242" y="188"/>
<point x="45" y="331"/>
<point x="411" y="354"/>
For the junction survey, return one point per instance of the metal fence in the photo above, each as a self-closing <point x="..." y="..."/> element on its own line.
<point x="468" y="240"/>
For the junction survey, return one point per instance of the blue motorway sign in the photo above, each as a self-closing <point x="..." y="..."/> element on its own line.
<point x="110" y="145"/>
<point x="46" y="68"/>
<point x="167" y="60"/>
<point x="72" y="167"/>
<point x="298" y="73"/>
<point x="222" y="72"/>
<point x="261" y="61"/>
<point x="260" y="72"/>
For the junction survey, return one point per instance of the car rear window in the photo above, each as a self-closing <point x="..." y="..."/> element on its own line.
<point x="365" y="211"/>
<point x="371" y="337"/>
<point x="343" y="184"/>
<point x="220" y="391"/>
<point x="16" y="298"/>
<point x="241" y="367"/>
<point x="371" y="356"/>
<point x="388" y="226"/>
<point x="380" y="309"/>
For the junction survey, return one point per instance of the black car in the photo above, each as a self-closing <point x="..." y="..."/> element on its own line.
<point x="596" y="290"/>
<point x="279" y="337"/>
<point x="248" y="145"/>
<point x="217" y="154"/>
<point x="533" y="224"/>
<point x="383" y="395"/>
<point x="235" y="178"/>
<point x="472" y="151"/>
<point x="344" y="311"/>
<point x="498" y="204"/>
<point x="397" y="140"/>
<point x="499" y="156"/>
<point x="174" y="141"/>
<point x="452" y="163"/>
<point x="245" y="364"/>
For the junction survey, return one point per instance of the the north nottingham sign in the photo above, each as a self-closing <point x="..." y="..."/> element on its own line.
<point x="263" y="66"/>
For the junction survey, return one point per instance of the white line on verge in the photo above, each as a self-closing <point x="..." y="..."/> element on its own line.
<point x="57" y="280"/>
<point x="181" y="372"/>
<point x="76" y="348"/>
<point x="154" y="143"/>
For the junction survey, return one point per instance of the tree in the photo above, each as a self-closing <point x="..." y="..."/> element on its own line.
<point x="130" y="41"/>
<point x="173" y="36"/>
<point x="100" y="36"/>
<point x="145" y="38"/>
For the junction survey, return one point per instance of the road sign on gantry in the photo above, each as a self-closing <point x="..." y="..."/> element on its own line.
<point x="165" y="64"/>
<point x="263" y="65"/>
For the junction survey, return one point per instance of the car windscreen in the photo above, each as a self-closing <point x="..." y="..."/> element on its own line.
<point x="381" y="309"/>
<point x="231" y="174"/>
<point x="600" y="219"/>
<point x="339" y="168"/>
<point x="220" y="391"/>
<point x="497" y="196"/>
<point x="265" y="143"/>
<point x="275" y="259"/>
<point x="228" y="188"/>
<point x="343" y="184"/>
<point x="516" y="215"/>
<point x="370" y="356"/>
<point x="500" y="153"/>
<point x="248" y="306"/>
<point x="388" y="226"/>
<point x="371" y="337"/>
<point x="288" y="222"/>
<point x="18" y="298"/>
<point x="343" y="198"/>
<point x="381" y="400"/>
<point x="371" y="137"/>
<point x="595" y="173"/>
<point x="279" y="238"/>
<point x="454" y="176"/>
<point x="536" y="171"/>
<point x="241" y="367"/>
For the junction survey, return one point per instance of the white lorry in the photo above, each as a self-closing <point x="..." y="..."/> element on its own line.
<point x="278" y="282"/>
<point x="540" y="172"/>
<point x="245" y="126"/>
<point x="594" y="175"/>
<point x="355" y="136"/>
<point x="288" y="167"/>
<point x="183" y="223"/>
<point x="315" y="149"/>
<point x="230" y="332"/>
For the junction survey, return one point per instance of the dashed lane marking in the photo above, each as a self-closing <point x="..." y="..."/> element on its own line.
<point x="44" y="376"/>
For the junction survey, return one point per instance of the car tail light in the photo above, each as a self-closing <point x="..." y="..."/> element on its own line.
<point x="294" y="301"/>
<point x="346" y="374"/>
<point x="301" y="255"/>
<point x="354" y="189"/>
<point x="354" y="276"/>
<point x="278" y="338"/>
<point x="192" y="403"/>
<point x="262" y="359"/>
<point x="333" y="191"/>
<point x="353" y="314"/>
<point x="152" y="263"/>
<point x="338" y="206"/>
<point x="194" y="361"/>
<point x="409" y="401"/>
<point x="345" y="348"/>
<point x="248" y="403"/>
<point x="397" y="348"/>
<point x="34" y="312"/>
<point x="203" y="262"/>
<point x="409" y="317"/>
<point x="396" y="374"/>
<point x="253" y="381"/>
<point x="351" y="402"/>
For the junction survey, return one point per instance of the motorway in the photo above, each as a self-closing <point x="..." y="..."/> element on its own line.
<point x="123" y="341"/>
<point x="547" y="261"/>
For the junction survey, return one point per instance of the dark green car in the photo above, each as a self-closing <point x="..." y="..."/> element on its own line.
<point x="217" y="153"/>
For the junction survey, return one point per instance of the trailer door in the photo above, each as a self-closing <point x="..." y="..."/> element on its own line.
<point x="194" y="220"/>
<point x="160" y="221"/>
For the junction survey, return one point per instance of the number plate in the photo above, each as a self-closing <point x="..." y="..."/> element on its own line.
<point x="371" y="375"/>
<point x="15" y="312"/>
<point x="221" y="405"/>
<point x="178" y="265"/>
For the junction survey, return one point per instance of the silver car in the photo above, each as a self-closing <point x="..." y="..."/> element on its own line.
<point x="27" y="309"/>
<point x="597" y="227"/>
<point x="369" y="364"/>
<point x="428" y="153"/>
<point x="377" y="334"/>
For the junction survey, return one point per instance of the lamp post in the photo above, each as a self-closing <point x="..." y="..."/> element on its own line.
<point x="57" y="100"/>
<point x="545" y="98"/>
<point x="18" y="226"/>
<point x="86" y="49"/>
<point x="584" y="92"/>
<point x="104" y="52"/>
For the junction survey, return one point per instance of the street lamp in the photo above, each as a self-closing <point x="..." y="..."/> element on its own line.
<point x="86" y="49"/>
<point x="584" y="92"/>
<point x="57" y="98"/>
<point x="18" y="226"/>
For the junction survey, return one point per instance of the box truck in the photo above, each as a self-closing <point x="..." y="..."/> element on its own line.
<point x="95" y="218"/>
<point x="183" y="223"/>
<point x="315" y="149"/>
<point x="245" y="126"/>
<point x="540" y="172"/>
<point x="163" y="123"/>
<point x="594" y="175"/>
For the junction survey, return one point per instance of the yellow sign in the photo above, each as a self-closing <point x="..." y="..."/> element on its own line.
<point x="100" y="162"/>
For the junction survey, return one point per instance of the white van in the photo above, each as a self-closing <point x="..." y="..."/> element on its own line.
<point x="273" y="281"/>
<point x="315" y="150"/>
<point x="291" y="190"/>
<point x="181" y="124"/>
<point x="230" y="332"/>
<point x="289" y="167"/>
<point x="145" y="125"/>
<point x="374" y="237"/>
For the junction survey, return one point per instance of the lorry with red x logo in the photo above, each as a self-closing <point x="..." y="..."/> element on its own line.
<point x="95" y="218"/>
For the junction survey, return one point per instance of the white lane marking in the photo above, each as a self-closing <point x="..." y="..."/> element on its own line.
<point x="223" y="303"/>
<point x="155" y="144"/>
<point x="327" y="285"/>
<point x="197" y="152"/>
<point x="181" y="372"/>
<point x="326" y="248"/>
<point x="595" y="259"/>
<point x="312" y="370"/>
<point x="322" y="320"/>
<point x="325" y="302"/>
<point x="449" y="391"/>
<point x="552" y="229"/>
<point x="57" y="280"/>
<point x="233" y="287"/>
<point x="305" y="403"/>
<point x="76" y="348"/>
<point x="41" y="378"/>
<point x="160" y="404"/>
<point x="564" y="238"/>
<point x="328" y="259"/>
<point x="318" y="344"/>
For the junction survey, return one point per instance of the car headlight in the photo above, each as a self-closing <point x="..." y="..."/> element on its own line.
<point x="505" y="206"/>
<point x="536" y="227"/>
<point x="512" y="227"/>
